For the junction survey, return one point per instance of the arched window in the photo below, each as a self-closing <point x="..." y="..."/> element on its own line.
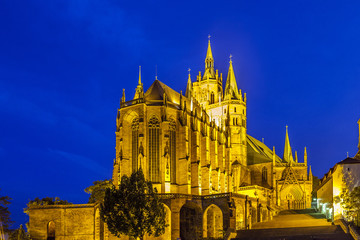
<point x="51" y="231"/>
<point x="264" y="175"/>
<point x="212" y="98"/>
<point x="154" y="149"/>
<point x="135" y="143"/>
<point x="172" y="131"/>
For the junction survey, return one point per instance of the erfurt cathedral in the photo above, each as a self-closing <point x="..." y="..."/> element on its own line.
<point x="212" y="176"/>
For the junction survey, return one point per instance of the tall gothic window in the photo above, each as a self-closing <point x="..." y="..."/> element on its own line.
<point x="212" y="98"/>
<point x="135" y="143"/>
<point x="172" y="139"/>
<point x="264" y="174"/>
<point x="154" y="150"/>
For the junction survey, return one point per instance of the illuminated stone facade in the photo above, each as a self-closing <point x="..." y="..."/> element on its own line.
<point x="212" y="176"/>
<point x="195" y="147"/>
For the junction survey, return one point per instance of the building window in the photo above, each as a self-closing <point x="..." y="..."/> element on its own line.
<point x="154" y="149"/>
<point x="135" y="144"/>
<point x="235" y="109"/>
<point x="264" y="175"/>
<point x="212" y="98"/>
<point x="172" y="139"/>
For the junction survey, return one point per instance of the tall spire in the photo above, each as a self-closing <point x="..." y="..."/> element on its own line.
<point x="357" y="156"/>
<point x="274" y="156"/>
<point x="310" y="174"/>
<point x="288" y="157"/>
<point x="188" y="92"/>
<point x="209" y="63"/>
<point x="296" y="157"/>
<point x="231" y="90"/>
<point x="139" y="91"/>
<point x="305" y="157"/>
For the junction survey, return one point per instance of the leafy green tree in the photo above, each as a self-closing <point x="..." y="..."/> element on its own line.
<point x="350" y="203"/>
<point x="5" y="220"/>
<point x="134" y="208"/>
<point x="97" y="191"/>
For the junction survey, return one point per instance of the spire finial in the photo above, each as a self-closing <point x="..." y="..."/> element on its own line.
<point x="230" y="58"/>
<point x="209" y="37"/>
<point x="156" y="72"/>
<point x="189" y="71"/>
<point x="139" y="75"/>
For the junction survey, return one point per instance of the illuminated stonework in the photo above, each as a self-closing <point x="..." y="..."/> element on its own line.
<point x="213" y="177"/>
<point x="195" y="147"/>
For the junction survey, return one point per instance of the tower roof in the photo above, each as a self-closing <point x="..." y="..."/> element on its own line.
<point x="209" y="64"/>
<point x="209" y="55"/>
<point x="288" y="157"/>
<point x="231" y="89"/>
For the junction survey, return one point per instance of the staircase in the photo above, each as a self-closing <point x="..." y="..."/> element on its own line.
<point x="294" y="225"/>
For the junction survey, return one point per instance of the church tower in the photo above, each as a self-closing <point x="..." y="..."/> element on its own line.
<point x="207" y="90"/>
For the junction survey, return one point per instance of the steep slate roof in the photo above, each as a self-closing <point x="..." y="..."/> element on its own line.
<point x="349" y="160"/>
<point x="258" y="152"/>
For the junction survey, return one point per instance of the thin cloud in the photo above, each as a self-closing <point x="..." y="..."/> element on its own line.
<point x="83" y="161"/>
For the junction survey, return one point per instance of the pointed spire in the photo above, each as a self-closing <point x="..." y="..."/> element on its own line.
<point x="139" y="82"/>
<point x="287" y="149"/>
<point x="310" y="174"/>
<point x="305" y="157"/>
<point x="357" y="156"/>
<point x="209" y="55"/>
<point x="231" y="89"/>
<point x="188" y="92"/>
<point x="274" y="156"/>
<point x="296" y="157"/>
<point x="139" y="91"/>
<point x="209" y="64"/>
<point x="123" y="96"/>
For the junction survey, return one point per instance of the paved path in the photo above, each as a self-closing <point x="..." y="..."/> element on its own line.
<point x="294" y="225"/>
<point x="294" y="218"/>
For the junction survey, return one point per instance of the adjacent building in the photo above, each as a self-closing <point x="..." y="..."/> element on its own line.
<point x="343" y="177"/>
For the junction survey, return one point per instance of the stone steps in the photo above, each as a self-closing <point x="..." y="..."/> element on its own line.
<point x="297" y="233"/>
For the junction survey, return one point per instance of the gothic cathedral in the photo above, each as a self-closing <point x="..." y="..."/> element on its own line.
<point x="213" y="177"/>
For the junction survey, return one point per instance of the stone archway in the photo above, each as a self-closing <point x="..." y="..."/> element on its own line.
<point x="190" y="222"/>
<point x="213" y="222"/>
<point x="292" y="197"/>
<point x="51" y="230"/>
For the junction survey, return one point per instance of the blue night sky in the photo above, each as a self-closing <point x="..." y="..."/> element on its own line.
<point x="64" y="63"/>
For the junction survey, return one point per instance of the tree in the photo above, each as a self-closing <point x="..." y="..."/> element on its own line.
<point x="350" y="203"/>
<point x="5" y="221"/>
<point x="44" y="202"/>
<point x="20" y="234"/>
<point x="97" y="191"/>
<point x="134" y="208"/>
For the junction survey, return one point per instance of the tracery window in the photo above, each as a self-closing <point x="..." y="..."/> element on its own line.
<point x="135" y="143"/>
<point x="154" y="150"/>
<point x="172" y="138"/>
<point x="264" y="174"/>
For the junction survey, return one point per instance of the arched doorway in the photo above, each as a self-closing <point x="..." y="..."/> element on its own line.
<point x="51" y="231"/>
<point x="213" y="222"/>
<point x="292" y="198"/>
<point x="190" y="222"/>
